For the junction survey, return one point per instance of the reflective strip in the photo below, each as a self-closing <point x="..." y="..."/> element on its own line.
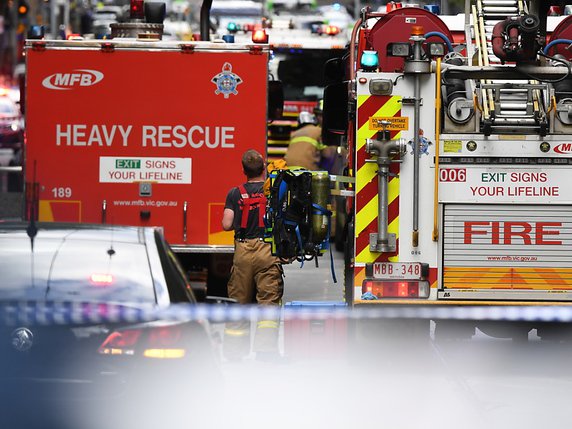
<point x="310" y="140"/>
<point x="267" y="324"/>
<point x="236" y="332"/>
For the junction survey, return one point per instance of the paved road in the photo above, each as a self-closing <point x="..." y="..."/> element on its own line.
<point x="308" y="283"/>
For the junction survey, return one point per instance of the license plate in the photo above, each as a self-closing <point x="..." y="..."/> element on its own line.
<point x="397" y="270"/>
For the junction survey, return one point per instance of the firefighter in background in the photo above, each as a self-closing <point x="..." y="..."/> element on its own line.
<point x="256" y="275"/>
<point x="306" y="149"/>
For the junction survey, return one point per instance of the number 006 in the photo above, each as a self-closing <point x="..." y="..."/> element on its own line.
<point x="453" y="175"/>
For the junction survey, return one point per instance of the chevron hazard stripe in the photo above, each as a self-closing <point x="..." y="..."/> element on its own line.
<point x="369" y="108"/>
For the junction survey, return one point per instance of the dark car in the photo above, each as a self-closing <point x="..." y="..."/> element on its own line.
<point x="11" y="124"/>
<point x="82" y="339"/>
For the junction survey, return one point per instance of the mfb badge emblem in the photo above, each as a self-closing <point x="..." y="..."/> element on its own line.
<point x="226" y="81"/>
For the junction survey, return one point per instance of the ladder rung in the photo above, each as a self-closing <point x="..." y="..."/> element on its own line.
<point x="514" y="121"/>
<point x="513" y="106"/>
<point x="499" y="2"/>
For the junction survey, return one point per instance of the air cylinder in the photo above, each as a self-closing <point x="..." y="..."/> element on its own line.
<point x="320" y="198"/>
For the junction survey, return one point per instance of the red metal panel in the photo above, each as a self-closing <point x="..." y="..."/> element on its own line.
<point x="144" y="105"/>
<point x="396" y="26"/>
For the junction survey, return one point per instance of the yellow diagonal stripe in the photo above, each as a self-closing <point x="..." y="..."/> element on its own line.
<point x="368" y="172"/>
<point x="369" y="211"/>
<point x="362" y="99"/>
<point x="390" y="108"/>
<point x="366" y="215"/>
<point x="367" y="256"/>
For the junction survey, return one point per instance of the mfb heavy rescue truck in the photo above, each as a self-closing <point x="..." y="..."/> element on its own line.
<point x="139" y="131"/>
<point x="461" y="154"/>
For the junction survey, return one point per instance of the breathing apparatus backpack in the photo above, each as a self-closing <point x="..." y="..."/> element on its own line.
<point x="297" y="218"/>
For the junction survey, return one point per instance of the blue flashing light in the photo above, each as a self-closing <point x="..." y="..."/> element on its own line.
<point x="337" y="6"/>
<point x="433" y="8"/>
<point x="369" y="60"/>
<point x="231" y="27"/>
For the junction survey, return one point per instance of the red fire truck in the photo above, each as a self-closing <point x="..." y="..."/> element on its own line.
<point x="460" y="153"/>
<point x="136" y="130"/>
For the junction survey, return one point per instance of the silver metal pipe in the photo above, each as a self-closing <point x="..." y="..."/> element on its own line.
<point x="384" y="150"/>
<point x="521" y="72"/>
<point x="416" y="113"/>
<point x="383" y="209"/>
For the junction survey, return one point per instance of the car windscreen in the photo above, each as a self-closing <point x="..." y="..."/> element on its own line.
<point x="64" y="269"/>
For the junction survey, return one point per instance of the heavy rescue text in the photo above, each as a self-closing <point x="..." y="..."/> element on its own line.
<point x="177" y="136"/>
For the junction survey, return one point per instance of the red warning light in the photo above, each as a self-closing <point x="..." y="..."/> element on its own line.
<point x="136" y="9"/>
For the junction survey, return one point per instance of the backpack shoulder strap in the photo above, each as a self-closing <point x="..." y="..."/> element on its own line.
<point x="251" y="202"/>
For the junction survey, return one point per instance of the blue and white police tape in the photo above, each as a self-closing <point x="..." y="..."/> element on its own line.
<point x="77" y="313"/>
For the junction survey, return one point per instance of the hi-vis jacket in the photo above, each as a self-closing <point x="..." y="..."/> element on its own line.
<point x="305" y="147"/>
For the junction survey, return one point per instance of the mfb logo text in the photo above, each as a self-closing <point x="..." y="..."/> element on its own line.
<point x="77" y="78"/>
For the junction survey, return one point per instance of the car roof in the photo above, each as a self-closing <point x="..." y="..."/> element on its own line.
<point x="80" y="230"/>
<point x="58" y="243"/>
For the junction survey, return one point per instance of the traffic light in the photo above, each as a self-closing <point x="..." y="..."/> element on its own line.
<point x="23" y="8"/>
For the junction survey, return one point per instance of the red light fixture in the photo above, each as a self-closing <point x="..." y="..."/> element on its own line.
<point x="332" y="30"/>
<point x="101" y="279"/>
<point x="392" y="6"/>
<point x="396" y="288"/>
<point x="120" y="343"/>
<point x="158" y="343"/>
<point x="137" y="9"/>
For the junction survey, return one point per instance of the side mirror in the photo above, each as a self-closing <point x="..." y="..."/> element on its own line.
<point x="155" y="12"/>
<point x="335" y="113"/>
<point x="335" y="71"/>
<point x="275" y="100"/>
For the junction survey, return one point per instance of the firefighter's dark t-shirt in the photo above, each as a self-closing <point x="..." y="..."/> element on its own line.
<point x="253" y="230"/>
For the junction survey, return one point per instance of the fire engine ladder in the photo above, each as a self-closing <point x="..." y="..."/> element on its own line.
<point x="506" y="105"/>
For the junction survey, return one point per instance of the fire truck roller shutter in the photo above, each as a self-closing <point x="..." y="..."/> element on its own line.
<point x="507" y="248"/>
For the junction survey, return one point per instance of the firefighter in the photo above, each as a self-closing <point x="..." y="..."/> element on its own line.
<point x="306" y="149"/>
<point x="256" y="275"/>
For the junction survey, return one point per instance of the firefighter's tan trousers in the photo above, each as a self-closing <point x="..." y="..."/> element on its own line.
<point x="256" y="277"/>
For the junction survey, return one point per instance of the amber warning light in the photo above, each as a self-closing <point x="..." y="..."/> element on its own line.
<point x="417" y="30"/>
<point x="259" y="36"/>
